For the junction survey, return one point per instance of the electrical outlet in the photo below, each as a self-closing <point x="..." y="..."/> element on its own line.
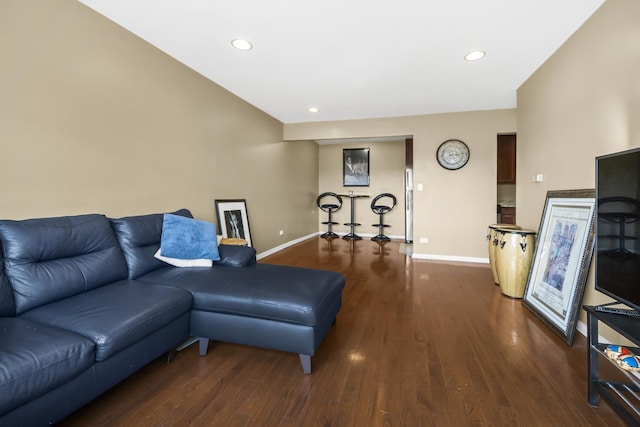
<point x="424" y="240"/>
<point x="282" y="232"/>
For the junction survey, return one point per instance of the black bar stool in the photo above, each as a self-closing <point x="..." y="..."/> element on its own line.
<point x="329" y="206"/>
<point x="381" y="209"/>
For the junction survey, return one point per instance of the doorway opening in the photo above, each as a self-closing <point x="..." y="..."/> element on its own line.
<point x="389" y="158"/>
<point x="408" y="190"/>
<point x="506" y="179"/>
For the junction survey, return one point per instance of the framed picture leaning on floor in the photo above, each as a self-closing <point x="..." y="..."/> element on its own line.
<point x="233" y="221"/>
<point x="561" y="261"/>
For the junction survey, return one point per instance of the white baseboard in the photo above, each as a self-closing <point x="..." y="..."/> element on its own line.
<point x="451" y="258"/>
<point x="285" y="245"/>
<point x="370" y="235"/>
<point x="582" y="328"/>
<point x="309" y="236"/>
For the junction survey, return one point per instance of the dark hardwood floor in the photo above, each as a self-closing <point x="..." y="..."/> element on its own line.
<point x="417" y="343"/>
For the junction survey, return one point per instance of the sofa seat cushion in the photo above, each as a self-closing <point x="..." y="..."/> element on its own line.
<point x="36" y="358"/>
<point x="286" y="294"/>
<point x="117" y="315"/>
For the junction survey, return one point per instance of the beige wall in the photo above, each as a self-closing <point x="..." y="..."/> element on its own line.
<point x="583" y="102"/>
<point x="455" y="207"/>
<point x="386" y="165"/>
<point x="93" y="119"/>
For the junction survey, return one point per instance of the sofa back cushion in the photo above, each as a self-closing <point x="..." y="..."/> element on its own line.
<point x="6" y="294"/>
<point x="139" y="238"/>
<point x="48" y="259"/>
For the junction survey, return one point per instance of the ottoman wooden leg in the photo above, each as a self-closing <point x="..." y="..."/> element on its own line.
<point x="306" y="363"/>
<point x="204" y="346"/>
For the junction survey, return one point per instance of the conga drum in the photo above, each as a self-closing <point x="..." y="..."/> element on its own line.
<point x="493" y="242"/>
<point x="514" y="253"/>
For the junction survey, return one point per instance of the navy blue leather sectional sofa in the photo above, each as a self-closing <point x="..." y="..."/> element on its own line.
<point x="84" y="304"/>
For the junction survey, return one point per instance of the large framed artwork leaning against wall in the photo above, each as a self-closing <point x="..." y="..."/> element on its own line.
<point x="355" y="167"/>
<point x="233" y="221"/>
<point x="558" y="274"/>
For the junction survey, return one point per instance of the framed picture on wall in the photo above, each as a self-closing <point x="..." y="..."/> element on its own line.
<point x="233" y="221"/>
<point x="558" y="275"/>
<point x="355" y="167"/>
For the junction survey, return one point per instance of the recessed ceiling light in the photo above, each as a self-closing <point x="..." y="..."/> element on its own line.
<point x="241" y="44"/>
<point x="313" y="109"/>
<point x="475" y="55"/>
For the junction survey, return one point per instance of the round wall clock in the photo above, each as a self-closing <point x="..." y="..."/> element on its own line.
<point x="452" y="154"/>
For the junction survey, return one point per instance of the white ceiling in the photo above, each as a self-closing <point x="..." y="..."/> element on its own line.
<point x="358" y="58"/>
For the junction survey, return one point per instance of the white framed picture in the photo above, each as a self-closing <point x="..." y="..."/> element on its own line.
<point x="233" y="221"/>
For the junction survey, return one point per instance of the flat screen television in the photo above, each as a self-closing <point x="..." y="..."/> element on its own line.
<point x="617" y="240"/>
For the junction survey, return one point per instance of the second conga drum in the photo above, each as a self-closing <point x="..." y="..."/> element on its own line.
<point x="514" y="253"/>
<point x="492" y="241"/>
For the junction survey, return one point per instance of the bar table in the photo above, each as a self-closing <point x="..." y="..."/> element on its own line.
<point x="352" y="235"/>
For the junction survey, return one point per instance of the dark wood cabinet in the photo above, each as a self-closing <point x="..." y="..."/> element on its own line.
<point x="408" y="152"/>
<point x="507" y="159"/>
<point x="508" y="215"/>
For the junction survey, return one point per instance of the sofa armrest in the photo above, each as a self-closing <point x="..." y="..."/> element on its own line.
<point x="236" y="256"/>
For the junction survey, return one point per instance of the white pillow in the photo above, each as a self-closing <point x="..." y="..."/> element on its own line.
<point x="184" y="262"/>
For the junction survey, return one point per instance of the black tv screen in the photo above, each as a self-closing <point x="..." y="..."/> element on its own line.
<point x="618" y="226"/>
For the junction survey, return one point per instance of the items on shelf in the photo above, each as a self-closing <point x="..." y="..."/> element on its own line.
<point x="626" y="359"/>
<point x="619" y="390"/>
<point x="629" y="362"/>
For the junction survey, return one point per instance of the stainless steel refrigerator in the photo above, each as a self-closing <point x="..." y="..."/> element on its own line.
<point x="408" y="197"/>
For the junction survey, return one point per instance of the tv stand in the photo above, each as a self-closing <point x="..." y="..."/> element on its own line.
<point x="622" y="395"/>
